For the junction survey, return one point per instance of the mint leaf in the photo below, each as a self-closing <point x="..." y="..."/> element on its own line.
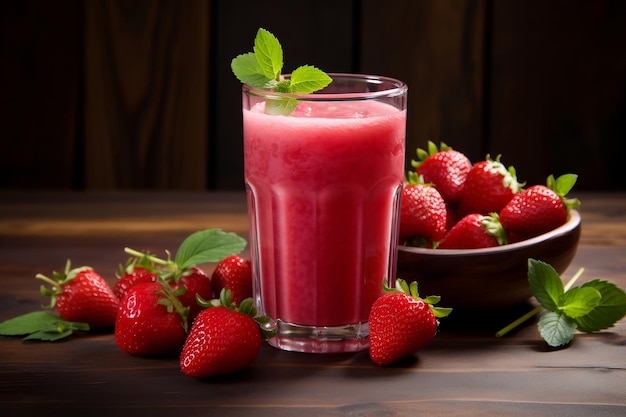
<point x="579" y="301"/>
<point x="545" y="283"/>
<point x="40" y="325"/>
<point x="269" y="54"/>
<point x="262" y="68"/>
<point x="611" y="308"/>
<point x="211" y="245"/>
<point x="556" y="329"/>
<point x="308" y="79"/>
<point x="247" y="70"/>
<point x="278" y="106"/>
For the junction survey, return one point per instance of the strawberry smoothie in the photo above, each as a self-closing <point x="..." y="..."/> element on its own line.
<point x="323" y="189"/>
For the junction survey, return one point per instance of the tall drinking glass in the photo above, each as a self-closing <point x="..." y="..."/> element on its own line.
<point x="323" y="189"/>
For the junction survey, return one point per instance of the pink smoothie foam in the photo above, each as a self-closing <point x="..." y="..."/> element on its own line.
<point x="322" y="189"/>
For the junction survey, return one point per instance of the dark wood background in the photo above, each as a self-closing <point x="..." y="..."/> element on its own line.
<point x="109" y="94"/>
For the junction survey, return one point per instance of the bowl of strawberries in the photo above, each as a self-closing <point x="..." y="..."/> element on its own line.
<point x="467" y="230"/>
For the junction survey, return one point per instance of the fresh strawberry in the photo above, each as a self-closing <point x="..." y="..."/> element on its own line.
<point x="81" y="295"/>
<point x="401" y="323"/>
<point x="452" y="216"/>
<point x="488" y="187"/>
<point x="222" y="339"/>
<point x="475" y="231"/>
<point x="150" y="321"/>
<point x="423" y="211"/>
<point x="195" y="283"/>
<point x="235" y="274"/>
<point x="187" y="279"/>
<point x="136" y="270"/>
<point x="444" y="167"/>
<point x="539" y="209"/>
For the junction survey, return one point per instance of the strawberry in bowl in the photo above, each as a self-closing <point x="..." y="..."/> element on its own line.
<point x="495" y="224"/>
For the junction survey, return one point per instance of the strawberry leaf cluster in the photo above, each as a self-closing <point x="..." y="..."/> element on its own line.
<point x="262" y="68"/>
<point x="591" y="307"/>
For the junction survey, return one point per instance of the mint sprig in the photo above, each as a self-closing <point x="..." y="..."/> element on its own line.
<point x="591" y="307"/>
<point x="40" y="325"/>
<point x="262" y="69"/>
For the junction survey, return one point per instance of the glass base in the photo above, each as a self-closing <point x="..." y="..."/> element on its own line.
<point x="312" y="339"/>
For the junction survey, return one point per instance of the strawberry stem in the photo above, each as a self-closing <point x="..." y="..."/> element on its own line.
<point x="537" y="309"/>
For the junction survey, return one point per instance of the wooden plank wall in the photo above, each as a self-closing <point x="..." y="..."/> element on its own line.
<point x="118" y="94"/>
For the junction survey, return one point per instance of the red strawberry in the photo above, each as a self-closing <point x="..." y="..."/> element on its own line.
<point x="195" y="283"/>
<point x="235" y="274"/>
<point x="222" y="339"/>
<point x="475" y="231"/>
<point x="445" y="168"/>
<point x="539" y="209"/>
<point x="150" y="321"/>
<point x="137" y="270"/>
<point x="423" y="211"/>
<point x="488" y="187"/>
<point x="81" y="295"/>
<point x="401" y="323"/>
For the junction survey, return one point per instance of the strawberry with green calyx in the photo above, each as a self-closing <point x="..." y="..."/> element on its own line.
<point x="223" y="338"/>
<point x="423" y="211"/>
<point x="151" y="320"/>
<point x="489" y="186"/>
<point x="136" y="270"/>
<point x="235" y="274"/>
<point x="475" y="231"/>
<point x="183" y="273"/>
<point x="81" y="295"/>
<point x="444" y="167"/>
<point x="540" y="208"/>
<point x="401" y="323"/>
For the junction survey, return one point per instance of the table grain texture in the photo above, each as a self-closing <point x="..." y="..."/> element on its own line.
<point x="464" y="371"/>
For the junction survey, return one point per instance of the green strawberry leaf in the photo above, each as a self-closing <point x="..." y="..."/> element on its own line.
<point x="563" y="184"/>
<point x="556" y="328"/>
<point x="579" y="301"/>
<point x="545" y="283"/>
<point x="610" y="309"/>
<point x="40" y="325"/>
<point x="210" y="245"/>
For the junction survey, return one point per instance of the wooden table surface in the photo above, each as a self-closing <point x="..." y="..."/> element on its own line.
<point x="465" y="371"/>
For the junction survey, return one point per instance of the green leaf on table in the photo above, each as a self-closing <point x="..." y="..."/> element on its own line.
<point x="556" y="328"/>
<point x="40" y="325"/>
<point x="579" y="301"/>
<point x="610" y="309"/>
<point x="210" y="245"/>
<point x="545" y="284"/>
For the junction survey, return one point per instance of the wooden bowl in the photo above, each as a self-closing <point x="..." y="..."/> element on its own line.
<point x="491" y="278"/>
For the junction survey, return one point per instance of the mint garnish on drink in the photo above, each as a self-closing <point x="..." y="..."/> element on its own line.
<point x="262" y="68"/>
<point x="591" y="307"/>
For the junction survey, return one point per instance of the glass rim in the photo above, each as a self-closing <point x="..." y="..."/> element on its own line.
<point x="397" y="88"/>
